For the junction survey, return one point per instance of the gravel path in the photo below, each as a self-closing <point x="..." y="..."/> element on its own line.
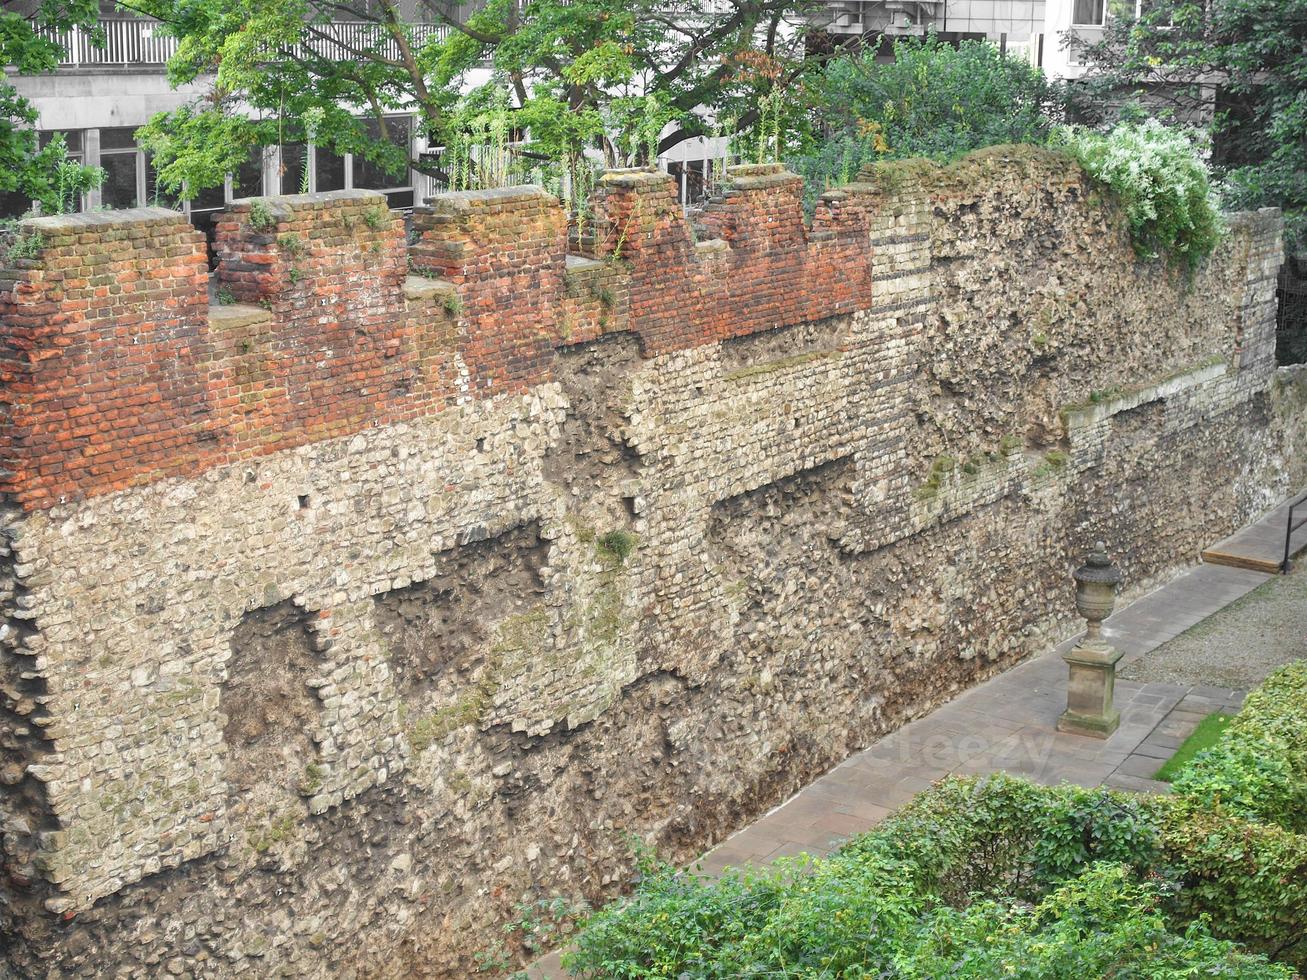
<point x="1238" y="646"/>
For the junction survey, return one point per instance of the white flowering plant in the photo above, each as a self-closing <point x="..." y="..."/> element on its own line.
<point x="1157" y="174"/>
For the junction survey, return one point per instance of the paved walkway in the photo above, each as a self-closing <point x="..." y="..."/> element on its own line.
<point x="1260" y="546"/>
<point x="1007" y="723"/>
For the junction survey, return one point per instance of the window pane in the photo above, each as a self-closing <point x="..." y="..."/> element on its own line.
<point x="292" y="168"/>
<point x="119" y="187"/>
<point x="210" y="197"/>
<point x="13" y="204"/>
<point x="1087" y="12"/>
<point x="72" y="139"/>
<point x="156" y="196"/>
<point x="248" y="180"/>
<point x="120" y="138"/>
<point x="370" y="175"/>
<point x="330" y="170"/>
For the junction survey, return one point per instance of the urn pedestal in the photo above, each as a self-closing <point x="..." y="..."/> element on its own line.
<point x="1092" y="663"/>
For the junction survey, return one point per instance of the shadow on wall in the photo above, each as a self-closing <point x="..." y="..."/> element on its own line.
<point x="1291" y="312"/>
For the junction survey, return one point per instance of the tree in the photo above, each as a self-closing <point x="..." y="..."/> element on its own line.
<point x="585" y="73"/>
<point x="1245" y="59"/>
<point x="41" y="173"/>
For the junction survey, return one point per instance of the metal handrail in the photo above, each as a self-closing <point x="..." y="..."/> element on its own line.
<point x="126" y="41"/>
<point x="1289" y="528"/>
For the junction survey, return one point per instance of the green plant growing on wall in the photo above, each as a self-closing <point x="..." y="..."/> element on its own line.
<point x="17" y="244"/>
<point x="312" y="780"/>
<point x="261" y="216"/>
<point x="931" y="100"/>
<point x="1157" y="175"/>
<point x="453" y="304"/>
<point x="1055" y="460"/>
<point x="376" y="217"/>
<point x="616" y="546"/>
<point x="293" y="245"/>
<point x="1175" y="50"/>
<point x="939" y="471"/>
<point x="262" y="839"/>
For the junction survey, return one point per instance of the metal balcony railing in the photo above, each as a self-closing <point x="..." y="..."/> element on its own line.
<point x="133" y="42"/>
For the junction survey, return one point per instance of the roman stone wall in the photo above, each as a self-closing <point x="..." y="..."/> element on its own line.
<point x="400" y="583"/>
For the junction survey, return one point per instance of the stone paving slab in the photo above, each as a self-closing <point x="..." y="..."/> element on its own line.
<point x="1007" y="723"/>
<point x="1260" y="545"/>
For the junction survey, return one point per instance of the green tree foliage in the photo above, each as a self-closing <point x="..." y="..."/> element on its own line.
<point x="1253" y="53"/>
<point x="43" y="174"/>
<point x="933" y="100"/>
<point x="604" y="74"/>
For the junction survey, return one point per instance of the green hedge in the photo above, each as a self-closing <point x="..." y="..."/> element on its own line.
<point x="1063" y="881"/>
<point x="1258" y="769"/>
<point x="1248" y="879"/>
<point x="996" y="876"/>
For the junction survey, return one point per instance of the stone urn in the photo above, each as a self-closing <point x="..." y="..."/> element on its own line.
<point x="1092" y="662"/>
<point x="1096" y="582"/>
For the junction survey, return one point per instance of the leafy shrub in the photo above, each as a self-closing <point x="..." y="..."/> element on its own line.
<point x="860" y="914"/>
<point x="997" y="876"/>
<point x="1103" y="923"/>
<point x="933" y="100"/>
<point x="1156" y="174"/>
<point x="1248" y="880"/>
<point x="1005" y="836"/>
<point x="975" y="878"/>
<point x="1258" y="769"/>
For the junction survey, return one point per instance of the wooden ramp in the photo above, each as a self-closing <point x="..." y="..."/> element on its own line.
<point x="1260" y="546"/>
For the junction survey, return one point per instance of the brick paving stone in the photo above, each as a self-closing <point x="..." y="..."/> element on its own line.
<point x="1142" y="766"/>
<point x="1156" y="752"/>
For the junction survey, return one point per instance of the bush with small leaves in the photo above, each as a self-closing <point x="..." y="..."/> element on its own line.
<point x="1157" y="175"/>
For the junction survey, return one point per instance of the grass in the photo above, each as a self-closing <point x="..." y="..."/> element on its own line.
<point x="1206" y="735"/>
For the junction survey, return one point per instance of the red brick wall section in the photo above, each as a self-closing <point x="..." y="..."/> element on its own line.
<point x="103" y="335"/>
<point x="775" y="272"/>
<point x="115" y="375"/>
<point x="504" y="250"/>
<point x="329" y="267"/>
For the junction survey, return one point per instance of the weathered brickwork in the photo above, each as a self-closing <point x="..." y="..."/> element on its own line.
<point x="401" y="588"/>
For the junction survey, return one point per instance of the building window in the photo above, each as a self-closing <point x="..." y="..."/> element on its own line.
<point x="329" y="169"/>
<point x="247" y="181"/>
<point x="1088" y="13"/>
<point x="124" y="169"/>
<point x="13" y="204"/>
<point x="397" y="184"/>
<point x="293" y="159"/>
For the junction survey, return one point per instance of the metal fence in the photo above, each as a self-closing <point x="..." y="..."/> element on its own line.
<point x="132" y="41"/>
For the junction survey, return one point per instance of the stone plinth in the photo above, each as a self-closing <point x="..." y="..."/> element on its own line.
<point x="1090" y="685"/>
